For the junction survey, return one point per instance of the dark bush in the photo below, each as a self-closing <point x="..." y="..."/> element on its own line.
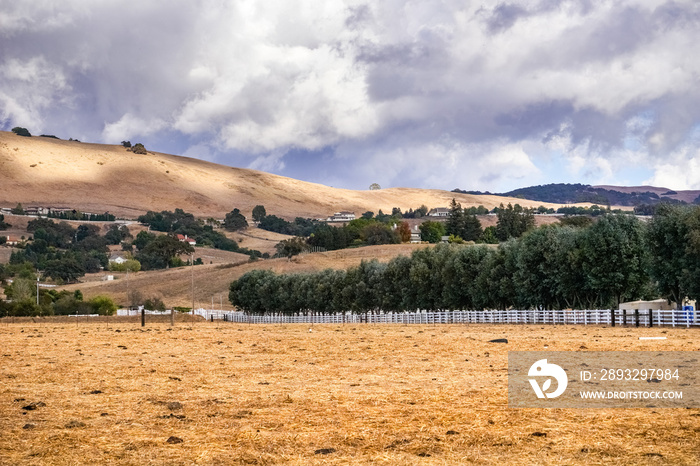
<point x="21" y="131"/>
<point x="139" y="148"/>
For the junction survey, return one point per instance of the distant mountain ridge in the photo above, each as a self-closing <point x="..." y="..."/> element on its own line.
<point x="565" y="193"/>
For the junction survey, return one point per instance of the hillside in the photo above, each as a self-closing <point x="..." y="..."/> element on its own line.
<point x="619" y="196"/>
<point x="48" y="172"/>
<point x="688" y="196"/>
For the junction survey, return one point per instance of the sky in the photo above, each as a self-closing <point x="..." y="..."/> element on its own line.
<point x="476" y="95"/>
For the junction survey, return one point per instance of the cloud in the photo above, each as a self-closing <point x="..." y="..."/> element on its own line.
<point x="681" y="169"/>
<point x="30" y="88"/>
<point x="419" y="93"/>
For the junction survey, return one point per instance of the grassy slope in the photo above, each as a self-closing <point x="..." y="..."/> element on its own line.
<point x="98" y="178"/>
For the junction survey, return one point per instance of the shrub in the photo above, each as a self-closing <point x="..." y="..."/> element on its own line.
<point x="18" y="210"/>
<point x="139" y="148"/>
<point x="19" y="131"/>
<point x="154" y="304"/>
<point x="103" y="305"/>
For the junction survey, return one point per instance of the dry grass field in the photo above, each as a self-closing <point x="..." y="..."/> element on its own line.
<point x="111" y="392"/>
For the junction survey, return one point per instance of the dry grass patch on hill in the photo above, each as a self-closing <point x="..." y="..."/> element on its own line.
<point x="217" y="393"/>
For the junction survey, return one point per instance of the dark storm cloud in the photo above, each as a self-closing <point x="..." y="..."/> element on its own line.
<point x="426" y="93"/>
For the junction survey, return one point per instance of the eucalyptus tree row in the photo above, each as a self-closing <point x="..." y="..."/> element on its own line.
<point x="615" y="259"/>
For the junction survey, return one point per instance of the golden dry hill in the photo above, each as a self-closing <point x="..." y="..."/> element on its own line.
<point x="41" y="171"/>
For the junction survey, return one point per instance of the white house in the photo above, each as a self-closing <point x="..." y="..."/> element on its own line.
<point x="185" y="239"/>
<point x="116" y="259"/>
<point x="441" y="212"/>
<point x="415" y="235"/>
<point x="11" y="240"/>
<point x="343" y="216"/>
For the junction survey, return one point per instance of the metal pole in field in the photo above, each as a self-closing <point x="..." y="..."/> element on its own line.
<point x="37" y="290"/>
<point x="192" y="265"/>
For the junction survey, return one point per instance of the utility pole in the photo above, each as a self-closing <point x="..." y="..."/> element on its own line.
<point x="192" y="265"/>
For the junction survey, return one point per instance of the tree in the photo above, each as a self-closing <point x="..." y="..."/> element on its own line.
<point x="138" y="148"/>
<point x="67" y="269"/>
<point x="379" y="233"/>
<point x="431" y="231"/>
<point x="126" y="144"/>
<point x="462" y="270"/>
<point x="154" y="304"/>
<point x="404" y="232"/>
<point x="142" y="239"/>
<point x="291" y="247"/>
<point x="85" y="231"/>
<point x="374" y="187"/>
<point x="259" y="213"/>
<point x="674" y="261"/>
<point x="489" y="236"/>
<point x="116" y="234"/>
<point x="68" y="304"/>
<point x="513" y="221"/>
<point x="159" y="253"/>
<point x="693" y="252"/>
<point x="130" y="265"/>
<point x="3" y="225"/>
<point x="17" y="210"/>
<point x="103" y="305"/>
<point x="615" y="258"/>
<point x="578" y="221"/>
<point x="471" y="228"/>
<point x="19" y="131"/>
<point x="455" y="220"/>
<point x="235" y="221"/>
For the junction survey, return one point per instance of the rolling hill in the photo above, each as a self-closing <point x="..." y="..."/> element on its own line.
<point x="48" y="172"/>
<point x="627" y="196"/>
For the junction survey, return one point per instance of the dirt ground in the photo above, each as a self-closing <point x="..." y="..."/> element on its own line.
<point x="112" y="392"/>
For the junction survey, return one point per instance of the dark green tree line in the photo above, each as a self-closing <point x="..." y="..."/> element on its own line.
<point x="615" y="259"/>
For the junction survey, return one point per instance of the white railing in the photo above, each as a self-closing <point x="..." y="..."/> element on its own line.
<point x="137" y="312"/>
<point x="642" y="318"/>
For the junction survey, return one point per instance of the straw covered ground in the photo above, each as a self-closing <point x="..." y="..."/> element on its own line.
<point x="111" y="392"/>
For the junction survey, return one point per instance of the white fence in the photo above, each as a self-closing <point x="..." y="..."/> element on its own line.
<point x="137" y="312"/>
<point x="642" y="318"/>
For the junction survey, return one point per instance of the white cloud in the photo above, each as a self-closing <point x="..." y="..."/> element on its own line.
<point x="681" y="170"/>
<point x="31" y="87"/>
<point x="130" y="125"/>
